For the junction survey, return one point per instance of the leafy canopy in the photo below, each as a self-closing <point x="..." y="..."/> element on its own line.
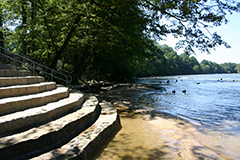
<point x="111" y="39"/>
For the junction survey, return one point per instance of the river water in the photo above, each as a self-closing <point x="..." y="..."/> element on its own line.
<point x="211" y="102"/>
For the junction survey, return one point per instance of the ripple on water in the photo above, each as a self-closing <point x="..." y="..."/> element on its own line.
<point x="213" y="104"/>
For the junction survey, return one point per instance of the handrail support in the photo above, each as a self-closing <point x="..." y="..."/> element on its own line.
<point x="68" y="78"/>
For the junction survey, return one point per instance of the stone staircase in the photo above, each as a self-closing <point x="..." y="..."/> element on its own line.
<point x="7" y="70"/>
<point x="42" y="120"/>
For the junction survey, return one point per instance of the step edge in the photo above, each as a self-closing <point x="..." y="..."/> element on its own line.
<point x="13" y="91"/>
<point x="9" y="81"/>
<point x="19" y="103"/>
<point x="91" y="146"/>
<point x="8" y="124"/>
<point x="41" y="138"/>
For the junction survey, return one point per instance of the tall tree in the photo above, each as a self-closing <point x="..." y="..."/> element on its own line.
<point x="84" y="33"/>
<point x="187" y="19"/>
<point x="229" y="67"/>
<point x="24" y="26"/>
<point x="1" y="29"/>
<point x="33" y="25"/>
<point x="238" y="68"/>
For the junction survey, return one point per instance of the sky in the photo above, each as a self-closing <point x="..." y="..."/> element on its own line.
<point x="229" y="33"/>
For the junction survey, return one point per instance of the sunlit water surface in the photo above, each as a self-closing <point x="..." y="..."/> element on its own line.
<point x="211" y="102"/>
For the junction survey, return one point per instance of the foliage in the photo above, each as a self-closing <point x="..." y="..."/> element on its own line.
<point x="170" y="63"/>
<point x="114" y="40"/>
<point x="230" y="67"/>
<point x="189" y="19"/>
<point x="238" y="68"/>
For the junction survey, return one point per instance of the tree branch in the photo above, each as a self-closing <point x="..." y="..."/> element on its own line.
<point x="64" y="46"/>
<point x="48" y="28"/>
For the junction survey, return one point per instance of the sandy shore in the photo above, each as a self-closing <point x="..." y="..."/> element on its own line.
<point x="146" y="134"/>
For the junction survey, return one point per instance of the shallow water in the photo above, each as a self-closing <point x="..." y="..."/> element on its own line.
<point x="211" y="102"/>
<point x="136" y="140"/>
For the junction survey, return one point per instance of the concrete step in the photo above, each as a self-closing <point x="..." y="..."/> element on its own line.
<point x="12" y="73"/>
<point x="13" y="104"/>
<point x="86" y="142"/>
<point x="34" y="116"/>
<point x="7" y="67"/>
<point x="51" y="135"/>
<point x="19" y="90"/>
<point x="9" y="81"/>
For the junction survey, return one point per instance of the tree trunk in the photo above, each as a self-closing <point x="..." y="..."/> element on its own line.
<point x="1" y="32"/>
<point x="83" y="62"/>
<point x="143" y="70"/>
<point x="64" y="46"/>
<point x="24" y="24"/>
<point x="33" y="13"/>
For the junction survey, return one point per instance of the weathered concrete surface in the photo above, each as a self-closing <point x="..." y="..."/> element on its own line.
<point x="9" y="81"/>
<point x="12" y="73"/>
<point x="12" y="104"/>
<point x="50" y="135"/>
<point x="7" y="67"/>
<point x="85" y="143"/>
<point x="37" y="117"/>
<point x="33" y="116"/>
<point x="19" y="90"/>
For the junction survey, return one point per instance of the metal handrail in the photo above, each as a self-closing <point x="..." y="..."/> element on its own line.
<point x="35" y="66"/>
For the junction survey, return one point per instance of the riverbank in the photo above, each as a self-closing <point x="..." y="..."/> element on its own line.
<point x="146" y="134"/>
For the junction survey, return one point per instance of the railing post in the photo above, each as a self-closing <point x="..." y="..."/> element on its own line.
<point x="13" y="58"/>
<point x="52" y="74"/>
<point x="33" y="69"/>
<point x="66" y="80"/>
<point x="8" y="54"/>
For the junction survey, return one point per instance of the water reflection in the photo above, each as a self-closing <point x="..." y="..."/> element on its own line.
<point x="212" y="101"/>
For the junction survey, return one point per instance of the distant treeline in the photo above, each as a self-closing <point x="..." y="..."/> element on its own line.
<point x="168" y="62"/>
